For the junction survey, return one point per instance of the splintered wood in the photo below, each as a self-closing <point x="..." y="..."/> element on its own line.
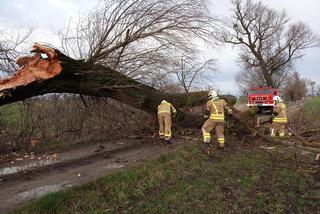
<point x="34" y="68"/>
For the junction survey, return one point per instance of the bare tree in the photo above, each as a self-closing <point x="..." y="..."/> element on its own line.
<point x="140" y="38"/>
<point x="295" y="87"/>
<point x="11" y="46"/>
<point x="312" y="85"/>
<point x="269" y="43"/>
<point x="191" y="71"/>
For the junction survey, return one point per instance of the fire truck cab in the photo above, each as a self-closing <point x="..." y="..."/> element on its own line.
<point x="262" y="98"/>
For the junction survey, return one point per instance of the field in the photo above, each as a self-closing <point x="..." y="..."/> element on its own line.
<point x="244" y="180"/>
<point x="312" y="108"/>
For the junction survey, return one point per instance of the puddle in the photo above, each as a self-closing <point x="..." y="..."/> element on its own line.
<point x="15" y="169"/>
<point x="43" y="190"/>
<point x="115" y="166"/>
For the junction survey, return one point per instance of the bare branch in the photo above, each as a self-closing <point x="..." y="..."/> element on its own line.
<point x="141" y="36"/>
<point x="11" y="46"/>
<point x="268" y="44"/>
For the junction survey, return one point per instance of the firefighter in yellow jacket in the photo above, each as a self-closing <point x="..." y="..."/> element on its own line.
<point x="280" y="118"/>
<point x="165" y="110"/>
<point x="215" y="113"/>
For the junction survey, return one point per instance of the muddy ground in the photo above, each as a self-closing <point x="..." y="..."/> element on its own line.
<point x="75" y="167"/>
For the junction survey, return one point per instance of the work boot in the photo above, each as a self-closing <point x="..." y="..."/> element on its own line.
<point x="221" y="149"/>
<point x="210" y="145"/>
<point x="168" y="142"/>
<point x="205" y="145"/>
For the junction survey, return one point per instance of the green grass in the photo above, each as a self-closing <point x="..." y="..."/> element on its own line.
<point x="312" y="108"/>
<point x="10" y="113"/>
<point x="187" y="181"/>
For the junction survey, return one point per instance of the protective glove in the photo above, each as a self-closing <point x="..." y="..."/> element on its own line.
<point x="274" y="114"/>
<point x="206" y="114"/>
<point x="174" y="115"/>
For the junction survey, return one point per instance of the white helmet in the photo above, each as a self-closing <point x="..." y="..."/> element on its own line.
<point x="212" y="94"/>
<point x="277" y="98"/>
<point x="163" y="101"/>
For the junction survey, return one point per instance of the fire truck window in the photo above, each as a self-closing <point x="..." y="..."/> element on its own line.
<point x="261" y="91"/>
<point x="266" y="91"/>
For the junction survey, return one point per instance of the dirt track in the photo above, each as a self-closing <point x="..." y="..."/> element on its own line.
<point x="82" y="166"/>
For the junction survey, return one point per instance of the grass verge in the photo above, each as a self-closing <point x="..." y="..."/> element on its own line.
<point x="312" y="108"/>
<point x="187" y="181"/>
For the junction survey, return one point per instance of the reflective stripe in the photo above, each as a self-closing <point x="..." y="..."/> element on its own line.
<point x="280" y="120"/>
<point x="161" y="133"/>
<point x="283" y="119"/>
<point x="206" y="137"/>
<point x="216" y="115"/>
<point x="163" y="111"/>
<point x="221" y="140"/>
<point x="167" y="135"/>
<point x="281" y="134"/>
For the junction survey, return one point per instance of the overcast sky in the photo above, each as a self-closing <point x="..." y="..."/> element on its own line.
<point x="50" y="16"/>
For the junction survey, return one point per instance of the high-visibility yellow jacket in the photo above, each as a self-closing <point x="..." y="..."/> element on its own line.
<point x="281" y="109"/>
<point x="166" y="107"/>
<point x="216" y="109"/>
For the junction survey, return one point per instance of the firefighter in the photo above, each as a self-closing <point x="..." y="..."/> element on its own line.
<point x="165" y="110"/>
<point x="214" y="113"/>
<point x="280" y="118"/>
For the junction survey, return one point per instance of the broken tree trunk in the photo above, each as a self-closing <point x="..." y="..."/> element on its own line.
<point x="58" y="73"/>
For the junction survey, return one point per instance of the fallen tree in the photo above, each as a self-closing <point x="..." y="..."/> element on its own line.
<point x="50" y="71"/>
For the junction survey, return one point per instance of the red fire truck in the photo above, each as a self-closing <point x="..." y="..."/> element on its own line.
<point x="262" y="98"/>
